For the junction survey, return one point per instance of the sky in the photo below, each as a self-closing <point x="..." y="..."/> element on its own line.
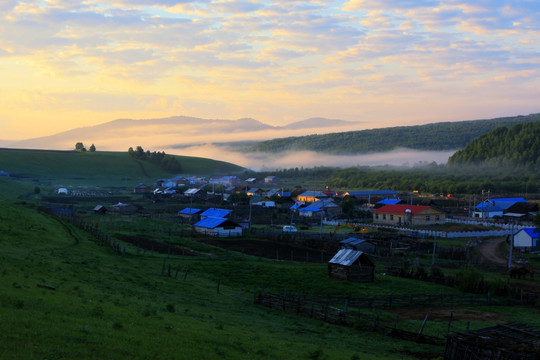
<point x="72" y="63"/>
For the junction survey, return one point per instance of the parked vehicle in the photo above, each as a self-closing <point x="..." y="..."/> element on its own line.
<point x="289" y="228"/>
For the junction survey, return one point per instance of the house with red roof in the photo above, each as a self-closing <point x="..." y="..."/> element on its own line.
<point x="408" y="215"/>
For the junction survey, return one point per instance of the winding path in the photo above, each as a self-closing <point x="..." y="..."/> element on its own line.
<point x="492" y="252"/>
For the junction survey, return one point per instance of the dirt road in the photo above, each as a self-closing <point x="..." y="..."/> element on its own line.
<point x="492" y="251"/>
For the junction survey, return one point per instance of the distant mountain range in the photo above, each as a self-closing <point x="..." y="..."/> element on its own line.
<point x="174" y="131"/>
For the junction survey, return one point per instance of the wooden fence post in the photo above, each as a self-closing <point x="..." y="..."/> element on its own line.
<point x="185" y="274"/>
<point x="449" y="322"/>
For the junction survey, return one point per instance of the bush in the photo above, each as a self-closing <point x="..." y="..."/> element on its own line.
<point x="468" y="279"/>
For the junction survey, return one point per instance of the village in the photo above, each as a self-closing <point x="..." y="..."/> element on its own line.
<point x="359" y="235"/>
<point x="227" y="206"/>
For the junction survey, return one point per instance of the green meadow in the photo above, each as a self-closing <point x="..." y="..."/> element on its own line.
<point x="66" y="295"/>
<point x="100" y="168"/>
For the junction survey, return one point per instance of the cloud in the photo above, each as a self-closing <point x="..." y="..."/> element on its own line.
<point x="272" y="59"/>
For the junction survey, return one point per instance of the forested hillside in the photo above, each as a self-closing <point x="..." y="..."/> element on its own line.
<point x="437" y="136"/>
<point x="515" y="146"/>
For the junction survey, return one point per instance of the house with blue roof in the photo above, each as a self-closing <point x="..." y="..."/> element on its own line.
<point x="215" y="213"/>
<point x="526" y="238"/>
<point x="389" y="202"/>
<point x="327" y="207"/>
<point x="218" y="227"/>
<point x="495" y="207"/>
<point x="190" y="214"/>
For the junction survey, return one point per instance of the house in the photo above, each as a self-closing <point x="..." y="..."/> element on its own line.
<point x="521" y="212"/>
<point x="100" y="209"/>
<point x="168" y="184"/>
<point x="255" y="192"/>
<point x="526" y="238"/>
<point x="495" y="207"/>
<point x="194" y="192"/>
<point x="271" y="179"/>
<point x="358" y="244"/>
<point x="388" y="202"/>
<point x="408" y="215"/>
<point x="226" y="180"/>
<point x="141" y="189"/>
<point x="351" y="265"/>
<point x="219" y="227"/>
<point x="190" y="214"/>
<point x="366" y="195"/>
<point x="327" y="207"/>
<point x="124" y="208"/>
<point x="215" y="213"/>
<point x="310" y="196"/>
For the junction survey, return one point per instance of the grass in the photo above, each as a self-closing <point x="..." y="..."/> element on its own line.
<point x="110" y="306"/>
<point x="99" y="168"/>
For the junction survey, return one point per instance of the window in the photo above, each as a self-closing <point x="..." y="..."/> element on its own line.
<point x="391" y="217"/>
<point x="437" y="218"/>
<point x="376" y="216"/>
<point x="384" y="217"/>
<point x="428" y="218"/>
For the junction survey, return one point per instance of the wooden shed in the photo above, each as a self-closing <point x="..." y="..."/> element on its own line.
<point x="352" y="265"/>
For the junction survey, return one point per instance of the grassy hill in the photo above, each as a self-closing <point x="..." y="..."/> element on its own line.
<point x="437" y="136"/>
<point x="66" y="295"/>
<point x="99" y="168"/>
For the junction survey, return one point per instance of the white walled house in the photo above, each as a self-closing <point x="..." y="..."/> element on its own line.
<point x="219" y="227"/>
<point x="526" y="238"/>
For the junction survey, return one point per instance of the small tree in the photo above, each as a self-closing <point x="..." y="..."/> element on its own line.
<point x="92" y="148"/>
<point x="37" y="190"/>
<point x="80" y="147"/>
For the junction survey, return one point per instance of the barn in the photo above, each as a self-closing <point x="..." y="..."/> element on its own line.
<point x="352" y="265"/>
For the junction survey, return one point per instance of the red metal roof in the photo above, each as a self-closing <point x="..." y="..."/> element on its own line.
<point x="400" y="209"/>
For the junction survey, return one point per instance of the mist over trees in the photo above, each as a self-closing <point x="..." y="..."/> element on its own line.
<point x="438" y="137"/>
<point x="167" y="162"/>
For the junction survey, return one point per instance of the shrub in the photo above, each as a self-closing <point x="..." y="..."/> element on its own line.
<point x="468" y="279"/>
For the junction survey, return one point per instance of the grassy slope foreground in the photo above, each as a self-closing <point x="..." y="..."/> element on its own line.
<point x="106" y="306"/>
<point x="100" y="168"/>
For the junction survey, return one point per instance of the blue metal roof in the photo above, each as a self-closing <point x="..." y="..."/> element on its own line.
<point x="295" y="206"/>
<point x="310" y="208"/>
<point x="215" y="212"/>
<point x="373" y="192"/>
<point x="531" y="232"/>
<point x="189" y="211"/>
<point x="210" y="222"/>
<point x="284" y="194"/>
<point x="389" y="201"/>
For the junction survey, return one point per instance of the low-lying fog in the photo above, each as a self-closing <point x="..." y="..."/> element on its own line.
<point x="308" y="159"/>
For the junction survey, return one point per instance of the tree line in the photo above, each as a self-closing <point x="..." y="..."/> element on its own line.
<point x="517" y="146"/>
<point x="438" y="137"/>
<point x="167" y="162"/>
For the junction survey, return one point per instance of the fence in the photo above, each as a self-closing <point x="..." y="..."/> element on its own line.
<point x="509" y="229"/>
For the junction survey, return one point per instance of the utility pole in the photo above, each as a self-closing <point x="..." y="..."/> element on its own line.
<point x="511" y="247"/>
